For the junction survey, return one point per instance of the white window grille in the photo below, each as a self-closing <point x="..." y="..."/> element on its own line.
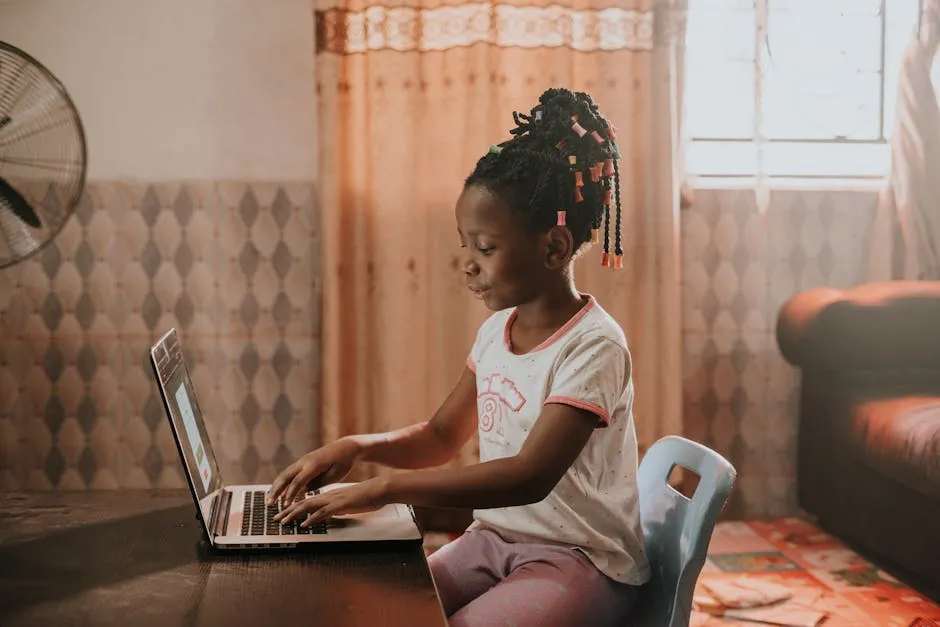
<point x="793" y="89"/>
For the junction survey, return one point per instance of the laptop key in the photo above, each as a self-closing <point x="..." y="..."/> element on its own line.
<point x="246" y="515"/>
<point x="255" y="508"/>
<point x="258" y="519"/>
<point x="271" y="526"/>
<point x="315" y="528"/>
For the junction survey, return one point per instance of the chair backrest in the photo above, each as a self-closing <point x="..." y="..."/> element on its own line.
<point x="676" y="529"/>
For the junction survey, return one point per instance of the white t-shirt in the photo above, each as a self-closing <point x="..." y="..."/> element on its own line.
<point x="585" y="364"/>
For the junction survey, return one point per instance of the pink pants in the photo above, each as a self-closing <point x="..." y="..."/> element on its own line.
<point x="485" y="581"/>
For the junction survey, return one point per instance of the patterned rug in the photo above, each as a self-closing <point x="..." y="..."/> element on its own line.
<point x="820" y="572"/>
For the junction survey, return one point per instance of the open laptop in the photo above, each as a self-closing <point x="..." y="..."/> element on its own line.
<point x="236" y="516"/>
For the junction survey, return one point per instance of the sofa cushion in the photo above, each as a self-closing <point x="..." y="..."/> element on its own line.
<point x="900" y="438"/>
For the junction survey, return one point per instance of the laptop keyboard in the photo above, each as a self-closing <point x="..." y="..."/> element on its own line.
<point x="258" y="519"/>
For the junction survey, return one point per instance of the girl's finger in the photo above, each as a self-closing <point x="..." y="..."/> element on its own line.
<point x="289" y="513"/>
<point x="303" y="508"/>
<point x="280" y="483"/>
<point x="293" y="488"/>
<point x="283" y="514"/>
<point x="320" y="514"/>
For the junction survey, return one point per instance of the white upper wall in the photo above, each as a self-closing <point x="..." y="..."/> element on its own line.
<point x="181" y="89"/>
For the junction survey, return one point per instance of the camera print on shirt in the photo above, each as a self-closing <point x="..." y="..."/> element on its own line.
<point x="498" y="395"/>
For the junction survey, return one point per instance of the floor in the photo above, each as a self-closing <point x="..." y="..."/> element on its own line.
<point x="821" y="573"/>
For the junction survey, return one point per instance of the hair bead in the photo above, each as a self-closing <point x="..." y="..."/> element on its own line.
<point x="544" y="147"/>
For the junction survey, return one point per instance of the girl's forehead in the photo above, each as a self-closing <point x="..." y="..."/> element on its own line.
<point x="480" y="210"/>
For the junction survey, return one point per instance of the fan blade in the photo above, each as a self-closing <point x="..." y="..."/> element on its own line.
<point x="15" y="201"/>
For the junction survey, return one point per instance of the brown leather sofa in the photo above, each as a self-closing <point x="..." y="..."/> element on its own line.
<point x="869" y="418"/>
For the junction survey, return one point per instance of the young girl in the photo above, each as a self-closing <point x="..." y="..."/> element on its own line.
<point x="556" y="537"/>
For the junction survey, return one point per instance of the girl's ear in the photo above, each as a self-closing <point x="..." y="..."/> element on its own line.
<point x="559" y="248"/>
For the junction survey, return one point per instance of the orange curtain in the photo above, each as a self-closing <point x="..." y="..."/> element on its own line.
<point x="410" y="96"/>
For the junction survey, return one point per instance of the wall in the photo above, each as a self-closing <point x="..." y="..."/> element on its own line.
<point x="181" y="89"/>
<point x="739" y="267"/>
<point x="198" y="214"/>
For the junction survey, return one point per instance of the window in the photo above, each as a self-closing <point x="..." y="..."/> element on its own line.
<point x="817" y="79"/>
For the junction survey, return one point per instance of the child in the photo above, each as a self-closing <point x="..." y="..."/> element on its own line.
<point x="556" y="537"/>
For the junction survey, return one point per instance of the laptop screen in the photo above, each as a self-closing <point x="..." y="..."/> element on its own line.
<point x="189" y="429"/>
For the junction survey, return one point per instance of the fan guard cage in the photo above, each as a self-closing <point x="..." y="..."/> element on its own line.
<point x="42" y="153"/>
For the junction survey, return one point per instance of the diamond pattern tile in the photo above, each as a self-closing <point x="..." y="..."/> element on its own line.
<point x="234" y="266"/>
<point x="739" y="267"/>
<point x="230" y="264"/>
<point x="251" y="461"/>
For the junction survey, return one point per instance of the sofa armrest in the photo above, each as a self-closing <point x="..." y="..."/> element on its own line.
<point x="875" y="326"/>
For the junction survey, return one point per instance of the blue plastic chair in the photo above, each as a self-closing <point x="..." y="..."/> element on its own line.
<point x="676" y="529"/>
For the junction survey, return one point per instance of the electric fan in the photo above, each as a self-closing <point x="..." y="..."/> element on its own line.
<point x="42" y="156"/>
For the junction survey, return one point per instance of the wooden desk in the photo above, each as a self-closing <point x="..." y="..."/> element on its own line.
<point x="135" y="558"/>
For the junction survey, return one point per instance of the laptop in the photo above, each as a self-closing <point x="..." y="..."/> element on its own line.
<point x="237" y="516"/>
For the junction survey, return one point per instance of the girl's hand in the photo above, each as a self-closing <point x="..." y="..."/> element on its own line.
<point x="362" y="497"/>
<point x="329" y="464"/>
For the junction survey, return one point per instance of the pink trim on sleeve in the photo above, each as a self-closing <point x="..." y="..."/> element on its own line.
<point x="472" y="366"/>
<point x="585" y="405"/>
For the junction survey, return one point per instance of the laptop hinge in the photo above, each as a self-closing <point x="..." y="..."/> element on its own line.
<point x="220" y="510"/>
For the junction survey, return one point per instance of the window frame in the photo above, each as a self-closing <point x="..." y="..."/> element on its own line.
<point x="768" y="154"/>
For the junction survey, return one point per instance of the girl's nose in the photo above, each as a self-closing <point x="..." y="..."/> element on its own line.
<point x="470" y="267"/>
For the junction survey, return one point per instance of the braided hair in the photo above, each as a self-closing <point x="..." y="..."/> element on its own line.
<point x="559" y="168"/>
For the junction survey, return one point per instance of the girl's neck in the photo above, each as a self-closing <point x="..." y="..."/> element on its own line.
<point x="553" y="307"/>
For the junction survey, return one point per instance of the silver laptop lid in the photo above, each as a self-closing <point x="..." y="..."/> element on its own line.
<point x="185" y="416"/>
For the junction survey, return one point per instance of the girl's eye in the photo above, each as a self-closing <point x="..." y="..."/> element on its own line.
<point x="485" y="250"/>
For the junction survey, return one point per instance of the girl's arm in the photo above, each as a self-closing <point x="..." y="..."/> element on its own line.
<point x="430" y="443"/>
<point x="549" y="450"/>
<point x="554" y="443"/>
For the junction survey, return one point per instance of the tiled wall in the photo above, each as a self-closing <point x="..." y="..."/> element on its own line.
<point x="233" y="266"/>
<point x="739" y="267"/>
